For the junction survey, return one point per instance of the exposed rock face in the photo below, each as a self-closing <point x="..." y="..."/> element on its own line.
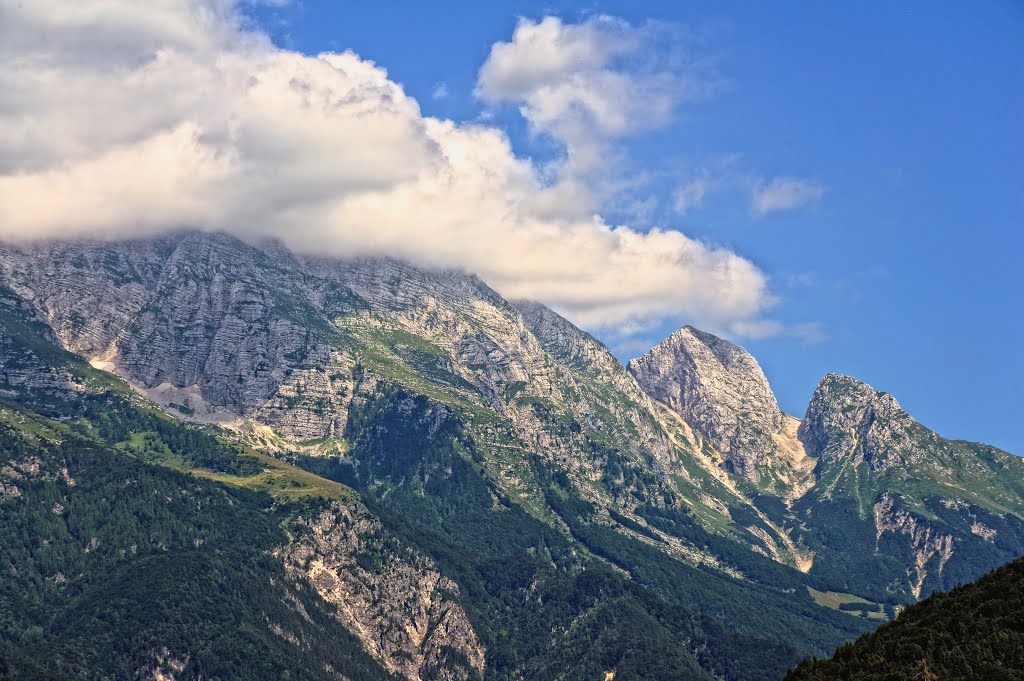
<point x="720" y="390"/>
<point x="393" y="599"/>
<point x="166" y="667"/>
<point x="981" y="530"/>
<point x="482" y="337"/>
<point x="218" y="330"/>
<point x="576" y="348"/>
<point x="454" y="330"/>
<point x="849" y="419"/>
<point x="88" y="293"/>
<point x="927" y="544"/>
<point x="600" y="376"/>
<point x="567" y="343"/>
<point x="22" y="368"/>
<point x="215" y="326"/>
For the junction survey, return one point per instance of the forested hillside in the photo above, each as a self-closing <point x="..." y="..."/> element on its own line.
<point x="975" y="631"/>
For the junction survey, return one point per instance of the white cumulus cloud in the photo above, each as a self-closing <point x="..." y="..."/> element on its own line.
<point x="120" y="118"/>
<point x="586" y="85"/>
<point x="576" y="80"/>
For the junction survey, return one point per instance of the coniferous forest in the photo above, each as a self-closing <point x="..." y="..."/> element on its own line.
<point x="975" y="631"/>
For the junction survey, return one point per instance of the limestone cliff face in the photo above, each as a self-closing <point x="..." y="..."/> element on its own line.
<point x="403" y="610"/>
<point x="719" y="389"/>
<point x="455" y="331"/>
<point x="24" y="367"/>
<point x="598" y="384"/>
<point x="577" y="349"/>
<point x="198" y="321"/>
<point x="217" y="330"/>
<point x="572" y="346"/>
<point x="931" y="548"/>
<point x="481" y="337"/>
<point x="88" y="293"/>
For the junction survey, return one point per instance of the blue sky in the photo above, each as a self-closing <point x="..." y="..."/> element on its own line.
<point x="909" y="115"/>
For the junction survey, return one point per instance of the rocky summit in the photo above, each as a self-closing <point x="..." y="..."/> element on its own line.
<point x="363" y="469"/>
<point x="720" y="390"/>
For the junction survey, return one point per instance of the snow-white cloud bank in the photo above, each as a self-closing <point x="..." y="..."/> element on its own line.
<point x="125" y="118"/>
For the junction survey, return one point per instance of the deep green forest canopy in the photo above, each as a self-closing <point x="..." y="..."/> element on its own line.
<point x="975" y="631"/>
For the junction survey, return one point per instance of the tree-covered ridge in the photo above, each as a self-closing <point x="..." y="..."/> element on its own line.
<point x="113" y="568"/>
<point x="975" y="631"/>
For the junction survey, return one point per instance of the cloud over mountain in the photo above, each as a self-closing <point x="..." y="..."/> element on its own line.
<point x="121" y="118"/>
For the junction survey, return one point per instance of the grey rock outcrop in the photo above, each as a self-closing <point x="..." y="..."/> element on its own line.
<point x="218" y="330"/>
<point x="720" y="390"/>
<point x="393" y="599"/>
<point x="848" y="418"/>
<point x="27" y="368"/>
<point x="565" y="342"/>
<point x="931" y="548"/>
<point x="201" y="321"/>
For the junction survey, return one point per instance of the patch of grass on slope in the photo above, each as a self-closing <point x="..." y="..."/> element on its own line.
<point x="854" y="605"/>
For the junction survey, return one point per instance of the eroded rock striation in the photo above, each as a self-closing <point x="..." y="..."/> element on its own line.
<point x="393" y="599"/>
<point x="931" y="547"/>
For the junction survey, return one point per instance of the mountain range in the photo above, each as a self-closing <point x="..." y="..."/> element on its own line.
<point x="361" y="469"/>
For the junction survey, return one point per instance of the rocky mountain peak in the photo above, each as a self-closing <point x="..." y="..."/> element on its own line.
<point x="849" y="417"/>
<point x="718" y="388"/>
